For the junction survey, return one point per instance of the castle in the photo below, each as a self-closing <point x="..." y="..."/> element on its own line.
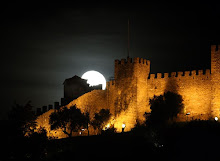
<point x="127" y="96"/>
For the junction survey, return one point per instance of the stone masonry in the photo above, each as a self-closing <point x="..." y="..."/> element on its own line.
<point x="127" y="96"/>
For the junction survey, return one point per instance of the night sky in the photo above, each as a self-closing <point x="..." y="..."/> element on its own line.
<point x="45" y="43"/>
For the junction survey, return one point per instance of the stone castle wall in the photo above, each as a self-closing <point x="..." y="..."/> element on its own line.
<point x="126" y="92"/>
<point x="133" y="94"/>
<point x="193" y="86"/>
<point x="91" y="102"/>
<point x="215" y="75"/>
<point x="128" y="95"/>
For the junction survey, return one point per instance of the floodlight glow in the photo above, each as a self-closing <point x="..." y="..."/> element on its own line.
<point x="108" y="126"/>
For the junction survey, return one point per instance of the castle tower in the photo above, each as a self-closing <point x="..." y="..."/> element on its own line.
<point x="129" y="92"/>
<point x="141" y="73"/>
<point x="215" y="78"/>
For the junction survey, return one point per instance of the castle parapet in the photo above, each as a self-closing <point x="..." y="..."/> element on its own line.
<point x="166" y="75"/>
<point x="129" y="60"/>
<point x="152" y="76"/>
<point x="200" y="72"/>
<point x="117" y="61"/>
<point x="141" y="60"/>
<point x="159" y="75"/>
<point x="173" y="74"/>
<point x="135" y="60"/>
<point x="186" y="73"/>
<point x="123" y="61"/>
<point x="215" y="48"/>
<point x="193" y="73"/>
<point x="179" y="74"/>
<point x="207" y="71"/>
<point x="111" y="83"/>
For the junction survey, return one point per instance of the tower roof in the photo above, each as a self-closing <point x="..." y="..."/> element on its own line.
<point x="75" y="79"/>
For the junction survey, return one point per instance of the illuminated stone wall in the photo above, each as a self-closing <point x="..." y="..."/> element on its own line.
<point x="194" y="87"/>
<point x="91" y="102"/>
<point x="215" y="75"/>
<point x="128" y="95"/>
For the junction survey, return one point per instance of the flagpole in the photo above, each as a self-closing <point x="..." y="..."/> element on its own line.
<point x="128" y="38"/>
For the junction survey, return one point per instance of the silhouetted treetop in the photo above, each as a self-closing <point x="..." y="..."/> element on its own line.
<point x="69" y="120"/>
<point x="165" y="107"/>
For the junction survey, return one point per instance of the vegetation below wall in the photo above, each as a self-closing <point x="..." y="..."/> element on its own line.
<point x="196" y="140"/>
<point x="159" y="138"/>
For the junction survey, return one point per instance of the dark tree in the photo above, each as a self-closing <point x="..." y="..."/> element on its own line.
<point x="87" y="121"/>
<point x="22" y="119"/>
<point x="165" y="107"/>
<point x="100" y="119"/>
<point x="69" y="120"/>
<point x="37" y="145"/>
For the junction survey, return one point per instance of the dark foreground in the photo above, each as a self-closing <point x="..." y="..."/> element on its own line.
<point x="192" y="141"/>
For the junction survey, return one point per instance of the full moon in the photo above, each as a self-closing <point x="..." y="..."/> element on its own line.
<point x="94" y="78"/>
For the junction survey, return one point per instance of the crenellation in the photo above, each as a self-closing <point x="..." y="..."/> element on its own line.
<point x="166" y="75"/>
<point x="136" y="60"/>
<point x="123" y="61"/>
<point x="186" y="73"/>
<point x="193" y="73"/>
<point x="129" y="60"/>
<point x="110" y="83"/>
<point x="107" y="84"/>
<point x="179" y="74"/>
<point x="152" y="76"/>
<point x="200" y="72"/>
<point x="141" y="61"/>
<point x="173" y="74"/>
<point x="207" y="73"/>
<point x="215" y="48"/>
<point x="117" y="61"/>
<point x="159" y="75"/>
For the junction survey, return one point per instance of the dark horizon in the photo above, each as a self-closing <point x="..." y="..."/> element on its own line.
<point x="44" y="44"/>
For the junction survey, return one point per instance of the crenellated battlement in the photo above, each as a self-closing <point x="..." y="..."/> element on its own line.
<point x="132" y="61"/>
<point x="215" y="48"/>
<point x="127" y="96"/>
<point x="182" y="74"/>
<point x="130" y="68"/>
<point x="111" y="83"/>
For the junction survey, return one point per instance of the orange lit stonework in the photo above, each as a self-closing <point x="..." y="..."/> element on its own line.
<point x="128" y="95"/>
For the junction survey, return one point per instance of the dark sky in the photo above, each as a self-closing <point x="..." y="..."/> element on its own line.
<point x="45" y="43"/>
